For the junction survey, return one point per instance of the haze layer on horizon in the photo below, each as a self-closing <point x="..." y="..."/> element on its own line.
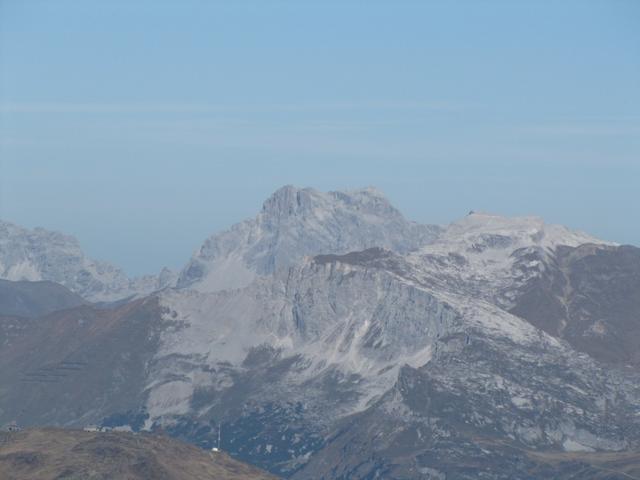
<point x="143" y="127"/>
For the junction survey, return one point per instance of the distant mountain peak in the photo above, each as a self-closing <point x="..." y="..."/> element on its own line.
<point x="40" y="254"/>
<point x="290" y="200"/>
<point x="297" y="222"/>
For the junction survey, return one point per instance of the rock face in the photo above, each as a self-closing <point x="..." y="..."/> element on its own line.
<point x="39" y="254"/>
<point x="295" y="223"/>
<point x="332" y="339"/>
<point x="57" y="454"/>
<point x="414" y="370"/>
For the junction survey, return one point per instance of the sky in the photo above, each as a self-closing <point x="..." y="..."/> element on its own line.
<point x="141" y="127"/>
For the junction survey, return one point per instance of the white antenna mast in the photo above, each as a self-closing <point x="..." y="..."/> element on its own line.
<point x="217" y="447"/>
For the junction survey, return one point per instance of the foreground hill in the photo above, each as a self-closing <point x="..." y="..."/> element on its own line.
<point x="52" y="453"/>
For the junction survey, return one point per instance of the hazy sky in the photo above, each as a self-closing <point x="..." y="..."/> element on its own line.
<point x="143" y="126"/>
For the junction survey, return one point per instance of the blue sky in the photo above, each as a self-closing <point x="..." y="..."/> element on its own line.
<point x="143" y="126"/>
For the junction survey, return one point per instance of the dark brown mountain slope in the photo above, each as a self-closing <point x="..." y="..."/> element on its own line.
<point x="34" y="299"/>
<point x="48" y="454"/>
<point x="82" y="364"/>
<point x="589" y="296"/>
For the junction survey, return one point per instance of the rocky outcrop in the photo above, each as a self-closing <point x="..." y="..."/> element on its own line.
<point x="43" y="255"/>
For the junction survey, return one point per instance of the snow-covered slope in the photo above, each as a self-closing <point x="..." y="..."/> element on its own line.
<point x="492" y="256"/>
<point x="296" y="222"/>
<point x="41" y="254"/>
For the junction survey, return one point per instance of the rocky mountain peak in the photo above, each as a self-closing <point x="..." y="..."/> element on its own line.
<point x="298" y="222"/>
<point x="39" y="254"/>
<point x="290" y="202"/>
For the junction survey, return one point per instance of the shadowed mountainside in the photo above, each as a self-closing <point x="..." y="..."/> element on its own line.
<point x="33" y="299"/>
<point x="86" y="361"/>
<point x="589" y="296"/>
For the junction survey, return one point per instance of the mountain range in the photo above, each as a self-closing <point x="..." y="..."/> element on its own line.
<point x="331" y="338"/>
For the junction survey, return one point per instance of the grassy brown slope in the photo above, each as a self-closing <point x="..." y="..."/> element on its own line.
<point x="52" y="453"/>
<point x="592" y="466"/>
<point x="78" y="365"/>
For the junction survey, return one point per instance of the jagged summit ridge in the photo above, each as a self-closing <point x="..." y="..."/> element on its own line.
<point x="40" y="254"/>
<point x="289" y="201"/>
<point x="298" y="222"/>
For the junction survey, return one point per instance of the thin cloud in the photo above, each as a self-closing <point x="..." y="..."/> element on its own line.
<point x="93" y="108"/>
<point x="583" y="129"/>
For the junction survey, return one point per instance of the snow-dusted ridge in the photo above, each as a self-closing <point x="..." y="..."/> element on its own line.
<point x="480" y="230"/>
<point x="486" y="256"/>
